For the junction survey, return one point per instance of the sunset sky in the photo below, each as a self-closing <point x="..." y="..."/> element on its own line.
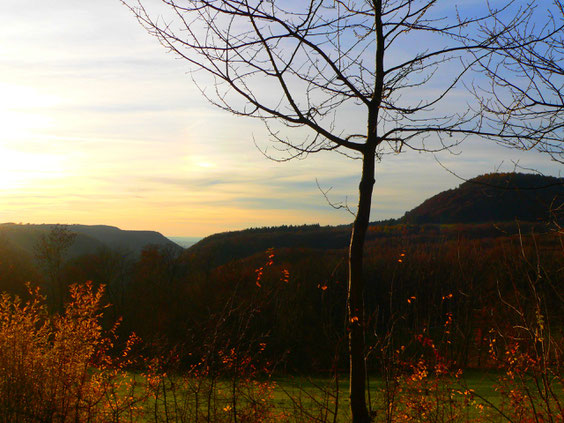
<point x="99" y="125"/>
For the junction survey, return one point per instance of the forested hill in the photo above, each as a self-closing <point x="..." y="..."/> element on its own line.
<point x="222" y="248"/>
<point x="501" y="198"/>
<point x="495" y="197"/>
<point x="89" y="238"/>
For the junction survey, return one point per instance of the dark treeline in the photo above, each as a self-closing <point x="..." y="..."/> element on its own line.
<point x="290" y="300"/>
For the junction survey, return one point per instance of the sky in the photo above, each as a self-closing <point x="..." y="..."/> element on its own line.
<point x="100" y="125"/>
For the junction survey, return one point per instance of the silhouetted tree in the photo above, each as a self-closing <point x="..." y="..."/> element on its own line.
<point x="109" y="267"/>
<point x="50" y="251"/>
<point x="319" y="65"/>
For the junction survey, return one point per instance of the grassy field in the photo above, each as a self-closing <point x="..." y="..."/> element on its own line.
<point x="301" y="399"/>
<point x="318" y="392"/>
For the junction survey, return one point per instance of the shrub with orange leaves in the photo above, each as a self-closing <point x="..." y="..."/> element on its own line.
<point x="428" y="388"/>
<point x="56" y="368"/>
<point x="531" y="385"/>
<point x="434" y="393"/>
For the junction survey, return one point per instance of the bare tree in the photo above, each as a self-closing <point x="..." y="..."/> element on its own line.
<point x="326" y="68"/>
<point x="525" y="96"/>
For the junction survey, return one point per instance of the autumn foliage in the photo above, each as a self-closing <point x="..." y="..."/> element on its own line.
<point x="58" y="368"/>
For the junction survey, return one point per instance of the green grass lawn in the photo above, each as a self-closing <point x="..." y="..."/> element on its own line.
<point x="318" y="392"/>
<point x="318" y="399"/>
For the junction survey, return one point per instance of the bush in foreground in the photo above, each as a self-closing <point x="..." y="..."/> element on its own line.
<point x="57" y="368"/>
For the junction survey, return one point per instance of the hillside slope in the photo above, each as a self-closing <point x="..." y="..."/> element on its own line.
<point x="89" y="239"/>
<point x="496" y="197"/>
<point x="499" y="198"/>
<point x="222" y="248"/>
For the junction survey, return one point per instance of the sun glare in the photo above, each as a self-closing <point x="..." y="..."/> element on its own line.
<point x="206" y="165"/>
<point x="23" y="110"/>
<point x="19" y="169"/>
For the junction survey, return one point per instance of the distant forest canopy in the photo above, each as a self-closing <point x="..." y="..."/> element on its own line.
<point x="495" y="197"/>
<point x="415" y="273"/>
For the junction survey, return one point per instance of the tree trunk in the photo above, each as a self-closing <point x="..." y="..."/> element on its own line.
<point x="355" y="302"/>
